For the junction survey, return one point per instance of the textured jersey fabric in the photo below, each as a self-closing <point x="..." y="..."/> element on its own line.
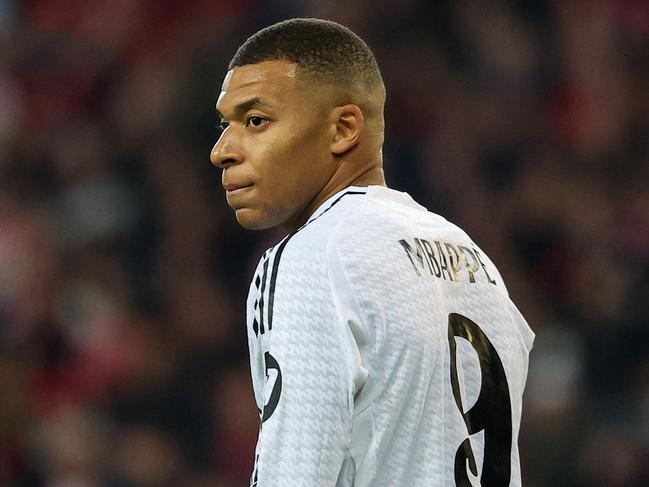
<point x="384" y="351"/>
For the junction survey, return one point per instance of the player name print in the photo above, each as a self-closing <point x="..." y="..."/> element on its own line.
<point x="446" y="260"/>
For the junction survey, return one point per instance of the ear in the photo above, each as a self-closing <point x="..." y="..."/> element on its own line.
<point x="349" y="125"/>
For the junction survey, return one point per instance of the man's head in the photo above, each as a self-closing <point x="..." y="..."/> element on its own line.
<point x="302" y="111"/>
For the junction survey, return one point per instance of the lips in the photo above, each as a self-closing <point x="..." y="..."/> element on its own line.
<point x="234" y="187"/>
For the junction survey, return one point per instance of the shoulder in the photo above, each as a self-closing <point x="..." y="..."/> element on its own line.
<point x="357" y="221"/>
<point x="309" y="244"/>
<point x="379" y="220"/>
<point x="387" y="231"/>
<point x="311" y="257"/>
<point x="365" y="229"/>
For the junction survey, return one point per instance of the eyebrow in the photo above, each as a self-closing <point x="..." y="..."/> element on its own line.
<point x="246" y="105"/>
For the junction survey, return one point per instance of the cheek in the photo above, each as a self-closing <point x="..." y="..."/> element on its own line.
<point x="280" y="163"/>
<point x="305" y="152"/>
<point x="290" y="164"/>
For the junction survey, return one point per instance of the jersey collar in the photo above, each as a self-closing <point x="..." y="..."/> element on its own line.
<point x="332" y="200"/>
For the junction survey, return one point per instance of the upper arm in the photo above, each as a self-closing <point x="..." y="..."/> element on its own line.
<point x="309" y="373"/>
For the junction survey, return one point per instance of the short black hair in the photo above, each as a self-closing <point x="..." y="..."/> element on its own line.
<point x="322" y="49"/>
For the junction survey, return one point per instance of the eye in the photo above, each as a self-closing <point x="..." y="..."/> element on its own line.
<point x="256" y="121"/>
<point x="223" y="125"/>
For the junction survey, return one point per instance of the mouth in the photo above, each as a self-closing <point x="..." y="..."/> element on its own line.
<point x="232" y="189"/>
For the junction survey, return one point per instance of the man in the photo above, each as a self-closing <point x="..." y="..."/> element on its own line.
<point x="384" y="348"/>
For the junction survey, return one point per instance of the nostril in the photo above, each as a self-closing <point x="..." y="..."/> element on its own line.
<point x="222" y="161"/>
<point x="227" y="161"/>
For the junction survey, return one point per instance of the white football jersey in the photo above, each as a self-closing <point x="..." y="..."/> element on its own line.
<point x="385" y="351"/>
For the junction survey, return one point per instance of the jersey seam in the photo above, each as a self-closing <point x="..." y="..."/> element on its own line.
<point x="331" y="285"/>
<point x="332" y="249"/>
<point x="329" y="249"/>
<point x="334" y="232"/>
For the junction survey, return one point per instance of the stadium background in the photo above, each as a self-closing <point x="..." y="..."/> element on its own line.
<point x="123" y="359"/>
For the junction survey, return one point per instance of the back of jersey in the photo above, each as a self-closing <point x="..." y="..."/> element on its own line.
<point x="446" y="351"/>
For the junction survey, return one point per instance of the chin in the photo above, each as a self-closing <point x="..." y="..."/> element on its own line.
<point x="252" y="220"/>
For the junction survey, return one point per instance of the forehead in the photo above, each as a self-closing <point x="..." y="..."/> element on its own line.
<point x="269" y="80"/>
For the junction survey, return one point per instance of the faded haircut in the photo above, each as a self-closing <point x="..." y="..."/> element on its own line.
<point x="323" y="50"/>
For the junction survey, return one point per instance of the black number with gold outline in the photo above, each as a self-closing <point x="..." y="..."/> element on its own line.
<point x="491" y="412"/>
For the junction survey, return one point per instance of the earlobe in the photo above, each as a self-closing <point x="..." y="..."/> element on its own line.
<point x="349" y="127"/>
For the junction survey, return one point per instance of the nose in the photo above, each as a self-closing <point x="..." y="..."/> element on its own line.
<point x="224" y="152"/>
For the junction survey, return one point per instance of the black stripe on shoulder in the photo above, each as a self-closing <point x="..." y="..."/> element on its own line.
<point x="273" y="279"/>
<point x="261" y="299"/>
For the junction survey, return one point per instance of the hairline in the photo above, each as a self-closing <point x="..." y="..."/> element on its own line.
<point x="301" y="69"/>
<point x="348" y="91"/>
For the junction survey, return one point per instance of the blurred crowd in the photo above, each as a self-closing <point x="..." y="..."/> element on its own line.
<point x="123" y="273"/>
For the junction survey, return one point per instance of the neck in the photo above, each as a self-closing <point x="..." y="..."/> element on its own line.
<point x="366" y="175"/>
